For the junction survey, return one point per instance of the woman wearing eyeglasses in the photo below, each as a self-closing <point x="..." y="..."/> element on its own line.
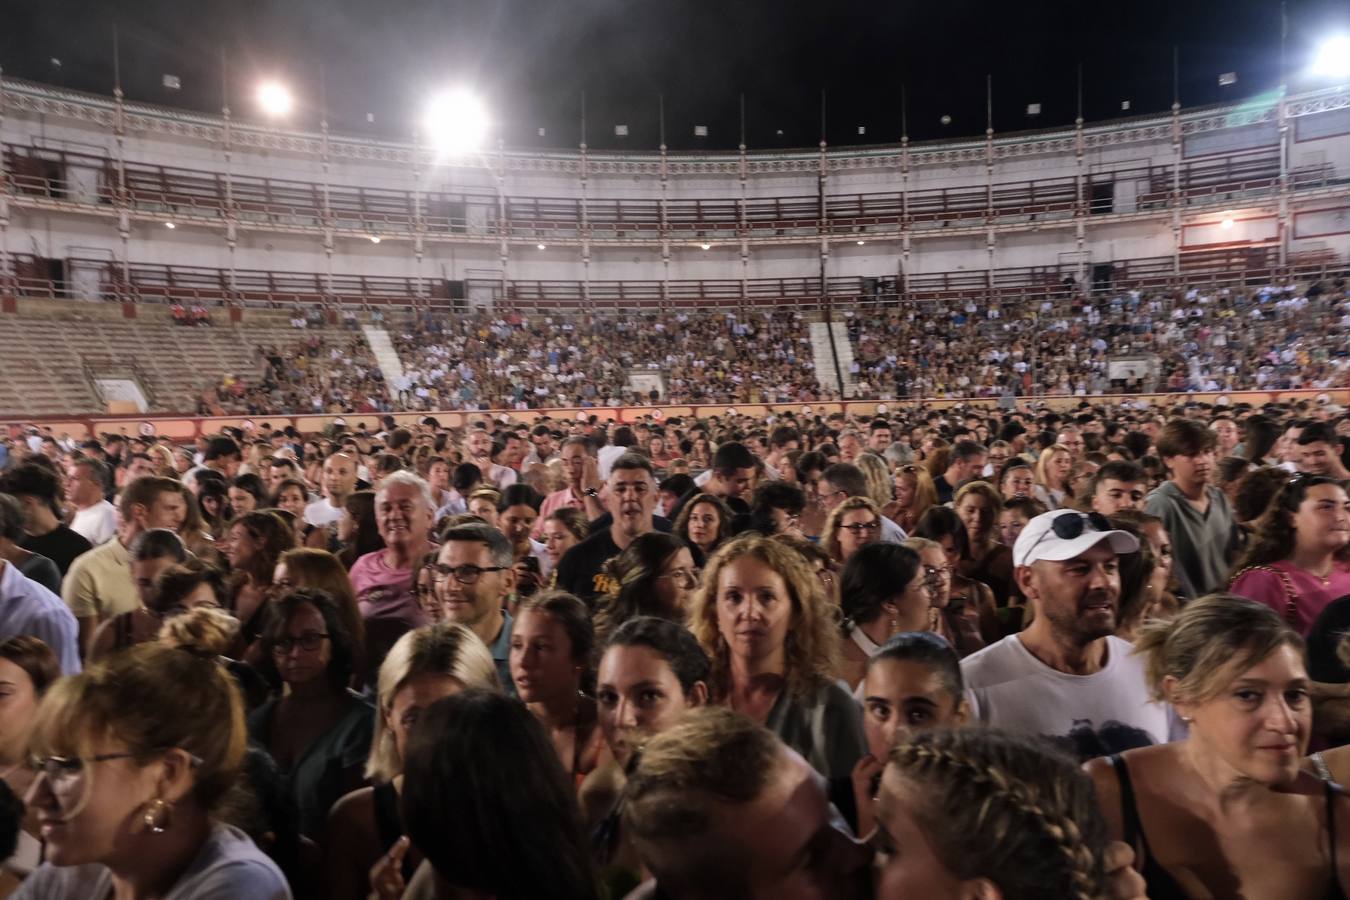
<point x="27" y="669"/>
<point x="306" y="567"/>
<point x="852" y="525"/>
<point x="964" y="603"/>
<point x="1295" y="562"/>
<point x="318" y="731"/>
<point x="135" y="760"/>
<point x="762" y="617"/>
<point x="655" y="575"/>
<point x="551" y="643"/>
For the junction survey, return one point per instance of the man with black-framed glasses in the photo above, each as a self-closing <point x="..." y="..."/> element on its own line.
<point x="473" y="580"/>
<point x="1067" y="676"/>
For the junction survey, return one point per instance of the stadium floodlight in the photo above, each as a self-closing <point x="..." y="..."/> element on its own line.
<point x="374" y="238"/>
<point x="543" y="246"/>
<point x="1227" y="223"/>
<point x="170" y="226"/>
<point x="456" y="121"/>
<point x="1332" y="59"/>
<point x="275" y="99"/>
<point x="706" y="246"/>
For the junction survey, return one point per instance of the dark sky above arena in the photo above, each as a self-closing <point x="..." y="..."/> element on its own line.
<point x="533" y="59"/>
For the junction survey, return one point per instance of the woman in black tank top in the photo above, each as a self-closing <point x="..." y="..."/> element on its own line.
<point x="425" y="665"/>
<point x="1228" y="812"/>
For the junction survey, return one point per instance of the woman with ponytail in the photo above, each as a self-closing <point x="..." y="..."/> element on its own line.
<point x="883" y="591"/>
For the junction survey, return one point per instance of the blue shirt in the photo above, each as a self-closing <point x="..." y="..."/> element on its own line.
<point x="501" y="655"/>
<point x="28" y="608"/>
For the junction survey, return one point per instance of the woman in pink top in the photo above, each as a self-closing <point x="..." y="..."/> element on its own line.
<point x="1295" y="563"/>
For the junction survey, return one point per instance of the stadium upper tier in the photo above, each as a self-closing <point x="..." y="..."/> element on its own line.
<point x="137" y="189"/>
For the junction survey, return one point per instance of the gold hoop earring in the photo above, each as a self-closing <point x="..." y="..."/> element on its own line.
<point x="156" y="816"/>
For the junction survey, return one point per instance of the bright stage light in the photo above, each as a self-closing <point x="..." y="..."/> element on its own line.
<point x="275" y="99"/>
<point x="1227" y="223"/>
<point x="456" y="121"/>
<point x="1332" y="60"/>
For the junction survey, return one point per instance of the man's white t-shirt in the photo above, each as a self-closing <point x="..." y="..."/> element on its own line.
<point x="322" y="512"/>
<point x="605" y="458"/>
<point x="97" y="523"/>
<point x="1011" y="689"/>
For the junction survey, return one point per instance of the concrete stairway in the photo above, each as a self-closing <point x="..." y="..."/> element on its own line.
<point x="385" y="354"/>
<point x="824" y="359"/>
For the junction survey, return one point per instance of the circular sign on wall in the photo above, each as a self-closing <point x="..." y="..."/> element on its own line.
<point x="806" y="410"/>
<point x="731" y="410"/>
<point x="147" y="429"/>
<point x="250" y="426"/>
<point x="881" y="409"/>
<point x="658" y="415"/>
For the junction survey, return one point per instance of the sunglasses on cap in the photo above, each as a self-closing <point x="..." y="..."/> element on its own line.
<point x="1069" y="525"/>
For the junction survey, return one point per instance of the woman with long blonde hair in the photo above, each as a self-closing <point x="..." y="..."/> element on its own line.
<point x="1052" y="476"/>
<point x="852" y="525"/>
<point x="762" y="618"/>
<point x="915" y="493"/>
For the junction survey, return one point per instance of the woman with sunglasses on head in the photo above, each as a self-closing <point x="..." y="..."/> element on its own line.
<point x="883" y="591"/>
<point x="1295" y="563"/>
<point x="650" y="673"/>
<point x="762" y="617"/>
<point x="136" y="757"/>
<point x="426" y="664"/>
<point x="1227" y="812"/>
<point x="655" y="575"/>
<point x="852" y="525"/>
<point x="318" y="731"/>
<point x="915" y="492"/>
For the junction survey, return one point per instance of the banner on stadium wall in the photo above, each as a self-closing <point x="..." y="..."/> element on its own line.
<point x="181" y="428"/>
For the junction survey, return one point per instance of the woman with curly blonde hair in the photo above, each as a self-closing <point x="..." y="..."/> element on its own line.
<point x="852" y="525"/>
<point x="763" y="619"/>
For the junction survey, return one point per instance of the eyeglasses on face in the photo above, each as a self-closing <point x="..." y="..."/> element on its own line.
<point x="309" y="642"/>
<point x="860" y="528"/>
<point x="64" y="771"/>
<point x="688" y="577"/>
<point x="464" y="574"/>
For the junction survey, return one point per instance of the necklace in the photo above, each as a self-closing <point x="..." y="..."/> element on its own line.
<point x="1325" y="580"/>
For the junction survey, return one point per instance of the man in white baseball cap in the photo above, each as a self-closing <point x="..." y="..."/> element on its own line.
<point x="1068" y="676"/>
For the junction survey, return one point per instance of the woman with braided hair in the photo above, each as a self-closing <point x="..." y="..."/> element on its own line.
<point x="1227" y="812"/>
<point x="982" y="814"/>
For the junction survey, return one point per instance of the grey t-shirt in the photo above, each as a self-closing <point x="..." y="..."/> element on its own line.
<point x="1200" y="541"/>
<point x="228" y="867"/>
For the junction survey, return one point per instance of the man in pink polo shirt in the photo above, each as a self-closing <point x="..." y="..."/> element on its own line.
<point x="583" y="484"/>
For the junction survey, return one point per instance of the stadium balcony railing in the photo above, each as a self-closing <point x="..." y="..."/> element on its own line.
<point x="143" y="282"/>
<point x="41" y="174"/>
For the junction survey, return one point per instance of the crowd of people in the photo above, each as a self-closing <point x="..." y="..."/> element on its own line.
<point x="974" y="652"/>
<point x="1275" y="337"/>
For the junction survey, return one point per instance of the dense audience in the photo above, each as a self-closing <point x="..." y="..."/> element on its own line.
<point x="726" y="657"/>
<point x="1197" y="340"/>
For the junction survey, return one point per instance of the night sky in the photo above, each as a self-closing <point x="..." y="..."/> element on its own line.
<point x="533" y="59"/>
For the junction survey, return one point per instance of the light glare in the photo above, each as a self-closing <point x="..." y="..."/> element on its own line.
<point x="456" y="121"/>
<point x="1332" y="60"/>
<point x="275" y="99"/>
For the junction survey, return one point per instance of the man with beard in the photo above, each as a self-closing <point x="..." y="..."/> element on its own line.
<point x="631" y="498"/>
<point x="1067" y="675"/>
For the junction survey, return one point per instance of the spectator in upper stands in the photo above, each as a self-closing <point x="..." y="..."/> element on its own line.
<point x="86" y="490"/>
<point x="583" y="483"/>
<point x="631" y="498"/>
<point x="967" y="462"/>
<point x="98" y="585"/>
<point x="1194" y="512"/>
<point x="37" y="489"/>
<point x="383" y="579"/>
<point x="1320" y="450"/>
<point x="337" y="483"/>
<point x="31" y="565"/>
<point x="843" y="480"/>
